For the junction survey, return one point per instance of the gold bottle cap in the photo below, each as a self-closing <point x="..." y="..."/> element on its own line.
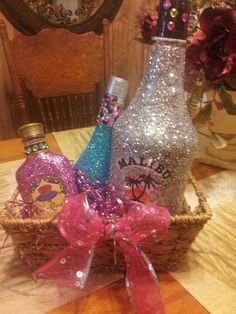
<point x="31" y="131"/>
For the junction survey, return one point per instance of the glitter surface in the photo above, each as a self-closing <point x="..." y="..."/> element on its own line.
<point x="94" y="162"/>
<point x="109" y="111"/>
<point x="154" y="140"/>
<point x="47" y="179"/>
<point x="95" y="159"/>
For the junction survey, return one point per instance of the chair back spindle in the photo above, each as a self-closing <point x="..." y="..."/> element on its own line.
<point x="58" y="76"/>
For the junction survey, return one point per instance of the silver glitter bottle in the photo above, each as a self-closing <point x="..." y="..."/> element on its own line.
<point x="154" y="139"/>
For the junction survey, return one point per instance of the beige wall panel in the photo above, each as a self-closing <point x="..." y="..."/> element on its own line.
<point x="128" y="54"/>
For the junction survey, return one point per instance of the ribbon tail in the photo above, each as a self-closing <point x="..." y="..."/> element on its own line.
<point x="69" y="267"/>
<point x="141" y="281"/>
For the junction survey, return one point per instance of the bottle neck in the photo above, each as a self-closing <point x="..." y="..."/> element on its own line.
<point x="35" y="146"/>
<point x="173" y="18"/>
<point x="113" y="101"/>
<point x="164" y="74"/>
<point x="110" y="110"/>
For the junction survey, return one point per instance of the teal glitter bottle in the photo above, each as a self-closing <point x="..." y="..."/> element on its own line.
<point x="95" y="159"/>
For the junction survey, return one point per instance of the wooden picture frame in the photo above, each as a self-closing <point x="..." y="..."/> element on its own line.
<point x="28" y="22"/>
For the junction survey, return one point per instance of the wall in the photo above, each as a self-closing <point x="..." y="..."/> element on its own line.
<point x="6" y="95"/>
<point x="128" y="54"/>
<point x="128" y="59"/>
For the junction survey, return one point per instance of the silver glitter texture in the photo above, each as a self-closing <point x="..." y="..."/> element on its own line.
<point x="154" y="139"/>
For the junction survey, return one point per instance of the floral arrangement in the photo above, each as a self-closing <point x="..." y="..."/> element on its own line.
<point x="211" y="61"/>
<point x="147" y="23"/>
<point x="213" y="49"/>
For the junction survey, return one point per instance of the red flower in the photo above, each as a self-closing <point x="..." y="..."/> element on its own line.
<point x="148" y="25"/>
<point x="214" y="49"/>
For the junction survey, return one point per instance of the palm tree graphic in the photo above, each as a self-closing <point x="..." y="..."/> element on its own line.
<point x="133" y="182"/>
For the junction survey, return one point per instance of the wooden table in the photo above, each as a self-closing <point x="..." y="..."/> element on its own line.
<point x="113" y="299"/>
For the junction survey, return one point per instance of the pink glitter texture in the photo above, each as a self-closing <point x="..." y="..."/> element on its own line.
<point x="41" y="167"/>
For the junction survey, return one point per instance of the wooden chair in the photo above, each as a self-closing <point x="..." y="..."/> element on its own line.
<point x="58" y="76"/>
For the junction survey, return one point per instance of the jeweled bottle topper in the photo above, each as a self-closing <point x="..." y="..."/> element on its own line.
<point x="173" y="17"/>
<point x="113" y="101"/>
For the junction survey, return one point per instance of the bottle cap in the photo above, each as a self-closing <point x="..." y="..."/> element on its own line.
<point x="173" y="18"/>
<point x="31" y="131"/>
<point x="118" y="87"/>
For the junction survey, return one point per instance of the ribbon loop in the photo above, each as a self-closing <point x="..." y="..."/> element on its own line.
<point x="131" y="225"/>
<point x="79" y="227"/>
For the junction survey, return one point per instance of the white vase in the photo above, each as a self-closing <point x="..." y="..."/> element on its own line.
<point x="223" y="129"/>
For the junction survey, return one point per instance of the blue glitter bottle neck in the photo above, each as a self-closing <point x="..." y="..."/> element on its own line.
<point x="95" y="159"/>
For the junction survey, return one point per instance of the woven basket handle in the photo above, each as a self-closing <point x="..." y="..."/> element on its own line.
<point x="201" y="197"/>
<point x="14" y="195"/>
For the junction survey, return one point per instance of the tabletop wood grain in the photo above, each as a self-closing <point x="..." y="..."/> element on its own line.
<point x="113" y="299"/>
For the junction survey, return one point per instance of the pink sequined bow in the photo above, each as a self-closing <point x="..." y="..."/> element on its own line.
<point x="83" y="227"/>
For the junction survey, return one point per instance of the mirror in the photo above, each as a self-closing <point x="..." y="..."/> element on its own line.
<point x="65" y="12"/>
<point x="79" y="16"/>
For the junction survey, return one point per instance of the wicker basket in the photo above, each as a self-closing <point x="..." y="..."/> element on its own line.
<point x="37" y="241"/>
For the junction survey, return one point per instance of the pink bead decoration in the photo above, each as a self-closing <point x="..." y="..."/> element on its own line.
<point x="167" y="4"/>
<point x="185" y="17"/>
<point x="170" y="25"/>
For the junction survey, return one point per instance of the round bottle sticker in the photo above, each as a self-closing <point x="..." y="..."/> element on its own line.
<point x="47" y="195"/>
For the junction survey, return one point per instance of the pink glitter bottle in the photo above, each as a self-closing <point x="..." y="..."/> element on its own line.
<point x="45" y="179"/>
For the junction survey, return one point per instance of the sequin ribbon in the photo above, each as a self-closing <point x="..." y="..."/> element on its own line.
<point x="84" y="228"/>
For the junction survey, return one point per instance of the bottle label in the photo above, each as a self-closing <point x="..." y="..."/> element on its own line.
<point x="143" y="178"/>
<point x="47" y="195"/>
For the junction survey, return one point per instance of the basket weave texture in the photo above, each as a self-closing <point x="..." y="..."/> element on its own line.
<point x="37" y="241"/>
